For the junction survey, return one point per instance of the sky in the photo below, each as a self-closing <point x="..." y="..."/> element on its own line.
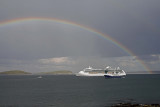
<point x="43" y="46"/>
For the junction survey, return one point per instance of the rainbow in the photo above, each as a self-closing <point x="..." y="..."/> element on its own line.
<point x="113" y="41"/>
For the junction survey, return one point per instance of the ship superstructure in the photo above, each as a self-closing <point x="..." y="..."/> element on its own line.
<point x="114" y="73"/>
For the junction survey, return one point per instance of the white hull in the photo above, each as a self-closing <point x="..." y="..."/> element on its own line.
<point x="82" y="73"/>
<point x="114" y="76"/>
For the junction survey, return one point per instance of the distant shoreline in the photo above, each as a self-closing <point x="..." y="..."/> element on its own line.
<point x="20" y="72"/>
<point x="15" y="72"/>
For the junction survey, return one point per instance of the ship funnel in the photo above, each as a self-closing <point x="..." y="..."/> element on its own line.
<point x="118" y="68"/>
<point x="90" y="67"/>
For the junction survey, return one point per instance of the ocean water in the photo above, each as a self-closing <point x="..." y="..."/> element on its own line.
<point x="72" y="91"/>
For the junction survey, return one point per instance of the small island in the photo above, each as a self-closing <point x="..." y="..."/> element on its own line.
<point x="20" y="72"/>
<point x="14" y="72"/>
<point x="63" y="72"/>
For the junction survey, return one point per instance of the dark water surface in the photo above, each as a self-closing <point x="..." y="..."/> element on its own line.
<point x="72" y="91"/>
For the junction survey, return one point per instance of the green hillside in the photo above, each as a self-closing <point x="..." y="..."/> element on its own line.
<point x="15" y="72"/>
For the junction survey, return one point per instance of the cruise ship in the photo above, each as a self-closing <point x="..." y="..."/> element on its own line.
<point x="91" y="72"/>
<point x="107" y="72"/>
<point x="114" y="73"/>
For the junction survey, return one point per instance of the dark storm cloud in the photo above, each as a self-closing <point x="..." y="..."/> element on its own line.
<point x="44" y="39"/>
<point x="133" y="23"/>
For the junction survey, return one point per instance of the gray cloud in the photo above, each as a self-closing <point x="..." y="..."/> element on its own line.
<point x="135" y="24"/>
<point x="75" y="64"/>
<point x="149" y="58"/>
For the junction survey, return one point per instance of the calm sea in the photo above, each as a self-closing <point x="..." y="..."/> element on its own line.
<point x="72" y="91"/>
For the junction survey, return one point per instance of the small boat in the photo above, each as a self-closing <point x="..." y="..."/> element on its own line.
<point x="114" y="73"/>
<point x="39" y="77"/>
